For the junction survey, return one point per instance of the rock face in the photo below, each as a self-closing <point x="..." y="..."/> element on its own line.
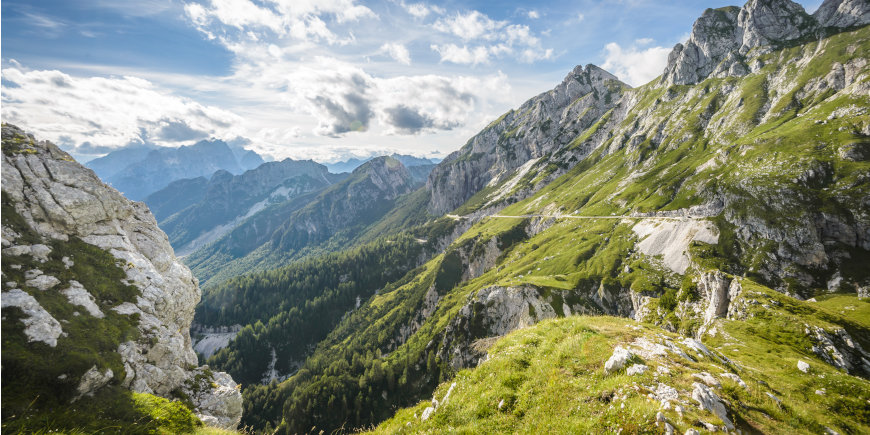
<point x="721" y="38"/>
<point x="61" y="200"/>
<point x="843" y="13"/>
<point x="709" y="401"/>
<point x="540" y="126"/>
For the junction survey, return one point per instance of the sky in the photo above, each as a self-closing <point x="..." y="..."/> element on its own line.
<point x="320" y="79"/>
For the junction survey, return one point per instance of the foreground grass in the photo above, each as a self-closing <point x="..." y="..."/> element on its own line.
<point x="550" y="378"/>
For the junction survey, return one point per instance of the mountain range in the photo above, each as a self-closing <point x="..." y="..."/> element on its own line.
<point x="686" y="256"/>
<point x="139" y="171"/>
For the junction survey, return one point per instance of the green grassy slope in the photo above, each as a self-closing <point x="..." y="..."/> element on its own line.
<point x="550" y="378"/>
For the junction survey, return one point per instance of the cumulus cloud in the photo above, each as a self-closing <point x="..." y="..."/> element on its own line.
<point x="493" y="38"/>
<point x="97" y="114"/>
<point x="421" y="10"/>
<point x="533" y="14"/>
<point x="344" y="98"/>
<point x="462" y="55"/>
<point x="398" y="52"/>
<point x="470" y="26"/>
<point x="635" y="65"/>
<point x="300" y="19"/>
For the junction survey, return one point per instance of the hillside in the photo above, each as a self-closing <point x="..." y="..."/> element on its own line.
<point x="743" y="166"/>
<point x="96" y="308"/>
<point x="755" y="375"/>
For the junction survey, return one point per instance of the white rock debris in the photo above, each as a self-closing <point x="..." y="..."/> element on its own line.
<point x="42" y="282"/>
<point x="736" y="379"/>
<point x="636" y="369"/>
<point x="436" y="404"/>
<point x="671" y="239"/>
<point x="803" y="366"/>
<point x="78" y="295"/>
<point x="39" y="325"/>
<point x="617" y="361"/>
<point x="709" y="401"/>
<point x="665" y="393"/>
<point x="708" y="379"/>
<point x="91" y="381"/>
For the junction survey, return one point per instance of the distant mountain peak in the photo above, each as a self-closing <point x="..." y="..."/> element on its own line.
<point x="721" y="37"/>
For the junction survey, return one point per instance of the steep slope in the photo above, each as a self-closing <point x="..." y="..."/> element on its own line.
<point x="540" y="126"/>
<point x="756" y="376"/>
<point x="229" y="199"/>
<point x="160" y="166"/>
<point x="295" y="228"/>
<point x="649" y="213"/>
<point x="177" y="196"/>
<point x="96" y="308"/>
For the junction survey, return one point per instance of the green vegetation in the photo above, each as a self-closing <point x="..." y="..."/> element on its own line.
<point x="293" y="308"/>
<point x="39" y="381"/>
<point x="550" y="379"/>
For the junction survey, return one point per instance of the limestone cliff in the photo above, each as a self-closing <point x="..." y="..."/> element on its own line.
<point x="722" y="38"/>
<point x="65" y="231"/>
<point x="542" y="125"/>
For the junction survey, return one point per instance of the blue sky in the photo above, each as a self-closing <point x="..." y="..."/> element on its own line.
<point x="322" y="79"/>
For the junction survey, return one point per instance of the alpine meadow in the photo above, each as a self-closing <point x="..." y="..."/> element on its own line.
<point x="686" y="251"/>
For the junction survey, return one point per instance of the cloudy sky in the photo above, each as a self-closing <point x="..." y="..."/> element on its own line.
<point x="321" y="79"/>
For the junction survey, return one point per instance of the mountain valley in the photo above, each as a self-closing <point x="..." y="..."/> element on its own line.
<point x="685" y="256"/>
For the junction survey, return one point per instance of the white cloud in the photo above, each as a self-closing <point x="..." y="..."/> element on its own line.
<point x="496" y="38"/>
<point x="533" y="14"/>
<point x="107" y="112"/>
<point x="470" y="26"/>
<point x="300" y="19"/>
<point x="463" y="55"/>
<point x="422" y="10"/>
<point x="398" y="52"/>
<point x="634" y="65"/>
<point x="580" y="17"/>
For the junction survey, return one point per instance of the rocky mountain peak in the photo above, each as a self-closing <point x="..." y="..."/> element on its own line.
<point x="721" y="38"/>
<point x="388" y="174"/>
<point x="767" y="22"/>
<point x="843" y="13"/>
<point x="541" y="125"/>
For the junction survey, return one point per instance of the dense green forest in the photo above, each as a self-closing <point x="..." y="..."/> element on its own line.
<point x="364" y="370"/>
<point x="298" y="305"/>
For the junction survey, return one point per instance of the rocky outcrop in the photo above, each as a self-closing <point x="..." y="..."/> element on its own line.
<point x="839" y="349"/>
<point x="495" y="311"/>
<point x="709" y="401"/>
<point x="843" y="13"/>
<point x="721" y="38"/>
<point x="58" y="199"/>
<point x="39" y="324"/>
<point x="540" y="126"/>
